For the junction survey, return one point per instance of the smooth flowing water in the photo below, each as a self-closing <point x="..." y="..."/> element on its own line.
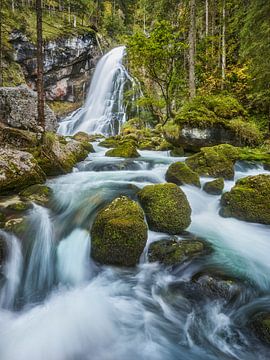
<point x="104" y="110"/>
<point x="86" y="311"/>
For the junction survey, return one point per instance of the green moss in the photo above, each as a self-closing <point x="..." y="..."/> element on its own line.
<point x="109" y="143"/>
<point x="119" y="233"/>
<point x="172" y="252"/>
<point x="215" y="161"/>
<point x="177" y="152"/>
<point x="214" y="187"/>
<point x="126" y="150"/>
<point x="247" y="132"/>
<point x="179" y="173"/>
<point x="40" y="194"/>
<point x="63" y="108"/>
<point x="166" y="208"/>
<point x="19" y="206"/>
<point x="248" y="200"/>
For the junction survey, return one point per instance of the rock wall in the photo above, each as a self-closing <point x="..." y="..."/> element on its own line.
<point x="68" y="64"/>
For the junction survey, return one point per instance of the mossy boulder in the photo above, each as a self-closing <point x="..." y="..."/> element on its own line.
<point x="40" y="194"/>
<point x="248" y="200"/>
<point x="18" y="138"/>
<point x="179" y="173"/>
<point x="109" y="143"/>
<point x="216" y="161"/>
<point x="166" y="208"/>
<point x="82" y="136"/>
<point x="177" y="152"/>
<point x="59" y="155"/>
<point x="16" y="225"/>
<point x="214" y="187"/>
<point x="261" y="327"/>
<point x="18" y="169"/>
<point x="126" y="150"/>
<point x="119" y="233"/>
<point x="173" y="252"/>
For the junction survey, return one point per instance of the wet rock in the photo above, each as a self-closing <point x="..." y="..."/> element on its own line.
<point x="3" y="251"/>
<point x="248" y="200"/>
<point x="119" y="233"/>
<point x="18" y="109"/>
<point x="216" y="161"/>
<point x="58" y="155"/>
<point x="82" y="136"/>
<point x="126" y="150"/>
<point x="166" y="208"/>
<point x="179" y="173"/>
<point x="173" y="252"/>
<point x="18" y="170"/>
<point x="214" y="187"/>
<point x="261" y="327"/>
<point x="40" y="194"/>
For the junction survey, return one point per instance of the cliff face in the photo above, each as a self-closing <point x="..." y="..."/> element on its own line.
<point x="68" y="64"/>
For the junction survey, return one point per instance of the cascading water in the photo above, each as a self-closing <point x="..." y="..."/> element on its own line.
<point x="103" y="111"/>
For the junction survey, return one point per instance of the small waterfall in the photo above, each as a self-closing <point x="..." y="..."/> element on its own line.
<point x="73" y="258"/>
<point x="12" y="271"/>
<point x="39" y="274"/>
<point x="104" y="111"/>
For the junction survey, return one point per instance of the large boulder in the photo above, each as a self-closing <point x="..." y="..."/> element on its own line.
<point x="18" y="169"/>
<point x="216" y="161"/>
<point x="58" y="155"/>
<point x="18" y="109"/>
<point x="248" y="200"/>
<point x="18" y="138"/>
<point x="119" y="233"/>
<point x="211" y="120"/>
<point x="40" y="194"/>
<point x="174" y="252"/>
<point x="179" y="173"/>
<point x="214" y="187"/>
<point x="126" y="150"/>
<point x="166" y="208"/>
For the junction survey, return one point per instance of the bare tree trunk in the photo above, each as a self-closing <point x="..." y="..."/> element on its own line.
<point x="40" y="84"/>
<point x="223" y="59"/>
<point x="192" y="47"/>
<point x="206" y="17"/>
<point x="1" y="45"/>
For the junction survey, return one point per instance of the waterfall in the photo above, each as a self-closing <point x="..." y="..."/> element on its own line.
<point x="12" y="270"/>
<point x="104" y="110"/>
<point x="39" y="274"/>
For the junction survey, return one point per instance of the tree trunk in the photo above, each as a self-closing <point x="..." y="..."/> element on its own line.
<point x="192" y="46"/>
<point x="223" y="58"/>
<point x="206" y="17"/>
<point x="40" y="84"/>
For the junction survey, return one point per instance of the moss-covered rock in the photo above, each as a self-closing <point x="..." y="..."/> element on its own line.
<point x="261" y="327"/>
<point x="214" y="187"/>
<point x="126" y="150"/>
<point x="179" y="173"/>
<point x="16" y="225"/>
<point x="58" y="155"/>
<point x="216" y="161"/>
<point x="17" y="138"/>
<point x="177" y="152"/>
<point x="109" y="143"/>
<point x="18" y="169"/>
<point x="40" y="194"/>
<point x="119" y="233"/>
<point x="84" y="137"/>
<point x="166" y="208"/>
<point x="248" y="200"/>
<point x="173" y="252"/>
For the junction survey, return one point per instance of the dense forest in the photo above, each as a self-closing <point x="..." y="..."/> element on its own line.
<point x="134" y="179"/>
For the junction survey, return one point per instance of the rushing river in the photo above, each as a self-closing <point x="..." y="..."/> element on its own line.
<point x="68" y="307"/>
<point x="58" y="304"/>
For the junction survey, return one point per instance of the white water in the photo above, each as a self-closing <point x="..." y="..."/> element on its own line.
<point x="12" y="271"/>
<point x="106" y="313"/>
<point x="103" y="111"/>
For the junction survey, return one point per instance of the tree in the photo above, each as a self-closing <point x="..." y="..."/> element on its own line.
<point x="40" y="82"/>
<point x="1" y="44"/>
<point x="223" y="56"/>
<point x="156" y="60"/>
<point x="192" y="49"/>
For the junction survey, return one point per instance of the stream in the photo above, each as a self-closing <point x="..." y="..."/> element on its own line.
<point x="58" y="304"/>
